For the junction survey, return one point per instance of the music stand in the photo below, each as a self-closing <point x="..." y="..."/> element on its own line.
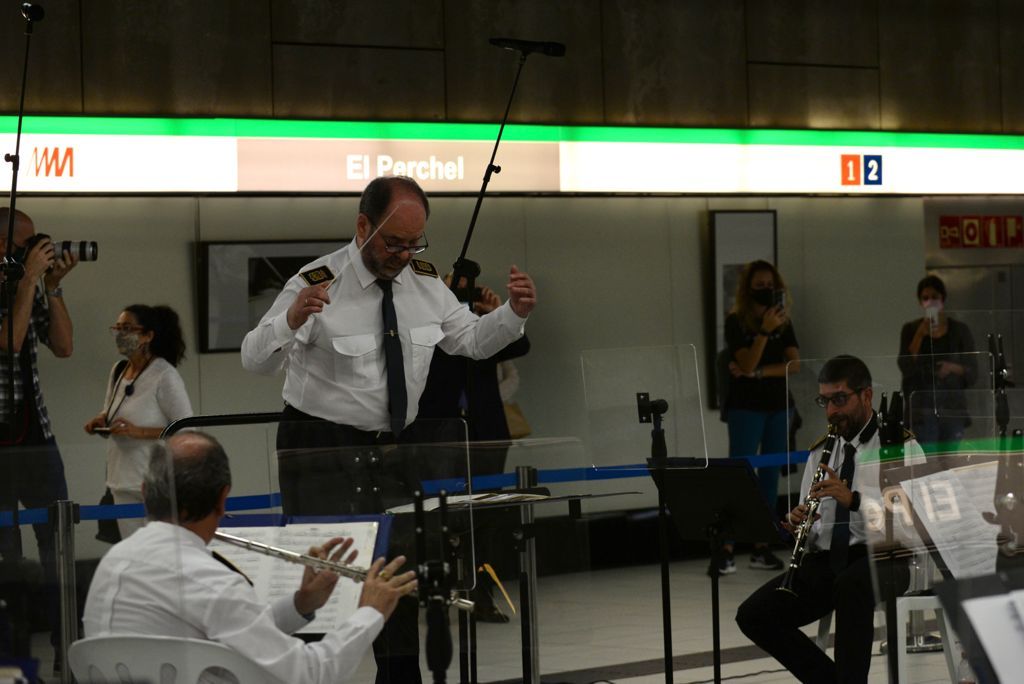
<point x="721" y="500"/>
<point x="953" y="593"/>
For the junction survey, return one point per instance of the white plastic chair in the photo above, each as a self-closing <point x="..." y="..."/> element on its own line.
<point x="158" y="660"/>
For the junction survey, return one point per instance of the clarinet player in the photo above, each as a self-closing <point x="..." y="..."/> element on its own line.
<point x="834" y="574"/>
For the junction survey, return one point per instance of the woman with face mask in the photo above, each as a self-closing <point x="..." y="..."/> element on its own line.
<point x="145" y="393"/>
<point x="937" y="366"/>
<point x="761" y="344"/>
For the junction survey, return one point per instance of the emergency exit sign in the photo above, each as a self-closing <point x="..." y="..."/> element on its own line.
<point x="981" y="232"/>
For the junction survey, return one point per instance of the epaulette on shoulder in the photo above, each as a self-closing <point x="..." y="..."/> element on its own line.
<point x="819" y="442"/>
<point x="423" y="268"/>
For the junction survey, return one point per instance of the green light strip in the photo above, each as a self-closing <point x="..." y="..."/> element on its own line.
<point x="277" y="128"/>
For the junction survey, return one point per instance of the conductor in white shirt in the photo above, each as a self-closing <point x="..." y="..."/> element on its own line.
<point x="163" y="580"/>
<point x="354" y="332"/>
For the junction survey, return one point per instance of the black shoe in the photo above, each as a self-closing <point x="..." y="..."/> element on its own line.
<point x="764" y="559"/>
<point x="726" y="564"/>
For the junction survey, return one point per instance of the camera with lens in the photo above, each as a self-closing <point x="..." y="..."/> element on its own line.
<point x="85" y="250"/>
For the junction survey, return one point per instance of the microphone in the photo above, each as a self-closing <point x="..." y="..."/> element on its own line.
<point x="32" y="12"/>
<point x="527" y="46"/>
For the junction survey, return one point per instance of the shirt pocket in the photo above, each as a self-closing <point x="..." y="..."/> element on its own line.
<point x="423" y="339"/>
<point x="355" y="360"/>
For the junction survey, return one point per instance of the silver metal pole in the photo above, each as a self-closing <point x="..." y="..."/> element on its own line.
<point x="526" y="476"/>
<point x="63" y="513"/>
<point x="920" y="639"/>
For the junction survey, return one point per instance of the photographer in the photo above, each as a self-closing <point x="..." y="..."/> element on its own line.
<point x="31" y="470"/>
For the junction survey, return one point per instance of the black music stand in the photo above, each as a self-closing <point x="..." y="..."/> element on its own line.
<point x="721" y="500"/>
<point x="953" y="593"/>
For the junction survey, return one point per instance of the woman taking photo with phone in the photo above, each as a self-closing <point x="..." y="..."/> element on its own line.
<point x="937" y="366"/>
<point x="761" y="342"/>
<point x="144" y="395"/>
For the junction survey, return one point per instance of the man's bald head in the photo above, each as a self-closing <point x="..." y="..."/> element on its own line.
<point x="24" y="228"/>
<point x="186" y="479"/>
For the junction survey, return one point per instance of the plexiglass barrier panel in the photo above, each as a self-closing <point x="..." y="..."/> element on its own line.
<point x="889" y="374"/>
<point x="327" y="471"/>
<point x="989" y="330"/>
<point x="530" y="534"/>
<point x="956" y="507"/>
<point x="640" y="402"/>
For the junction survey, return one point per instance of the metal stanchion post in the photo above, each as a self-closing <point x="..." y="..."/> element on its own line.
<point x="526" y="477"/>
<point x="64" y="515"/>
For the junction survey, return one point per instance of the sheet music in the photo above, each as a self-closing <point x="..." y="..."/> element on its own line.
<point x="997" y="623"/>
<point x="273" y="578"/>
<point x="949" y="504"/>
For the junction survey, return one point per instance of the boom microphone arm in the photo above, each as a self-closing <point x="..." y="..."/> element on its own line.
<point x="463" y="267"/>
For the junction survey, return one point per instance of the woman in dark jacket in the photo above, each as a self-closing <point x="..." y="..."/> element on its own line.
<point x="762" y="348"/>
<point x="937" y="363"/>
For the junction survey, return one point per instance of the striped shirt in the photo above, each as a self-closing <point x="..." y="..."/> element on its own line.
<point x="27" y="364"/>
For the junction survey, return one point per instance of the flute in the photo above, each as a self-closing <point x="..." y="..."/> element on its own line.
<point x="353" y="573"/>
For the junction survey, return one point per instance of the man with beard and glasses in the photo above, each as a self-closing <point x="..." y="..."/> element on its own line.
<point x="835" y="574"/>
<point x="355" y="332"/>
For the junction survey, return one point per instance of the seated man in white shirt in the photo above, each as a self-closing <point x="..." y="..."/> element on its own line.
<point x="163" y="580"/>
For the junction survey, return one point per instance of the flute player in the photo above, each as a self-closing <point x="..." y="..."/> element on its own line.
<point x="163" y="580"/>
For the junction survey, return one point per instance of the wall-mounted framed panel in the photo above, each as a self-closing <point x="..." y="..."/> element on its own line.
<point x="238" y="282"/>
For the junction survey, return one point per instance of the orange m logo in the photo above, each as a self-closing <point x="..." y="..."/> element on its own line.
<point x="52" y="161"/>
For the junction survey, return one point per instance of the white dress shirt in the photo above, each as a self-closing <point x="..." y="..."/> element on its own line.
<point x="867" y="522"/>
<point x="334" y="363"/>
<point x="163" y="581"/>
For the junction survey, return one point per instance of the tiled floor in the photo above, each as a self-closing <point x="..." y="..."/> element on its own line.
<point x="606" y="626"/>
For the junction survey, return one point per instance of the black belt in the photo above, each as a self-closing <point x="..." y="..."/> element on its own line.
<point x="348" y="432"/>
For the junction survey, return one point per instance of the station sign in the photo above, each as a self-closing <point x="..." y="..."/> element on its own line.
<point x="132" y="155"/>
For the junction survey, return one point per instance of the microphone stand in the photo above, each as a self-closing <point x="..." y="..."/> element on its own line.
<point x="435" y="589"/>
<point x="892" y="454"/>
<point x="1010" y="471"/>
<point x="463" y="267"/>
<point x="651" y="412"/>
<point x="11" y="270"/>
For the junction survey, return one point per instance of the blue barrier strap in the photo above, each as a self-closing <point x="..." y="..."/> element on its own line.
<point x="33" y="516"/>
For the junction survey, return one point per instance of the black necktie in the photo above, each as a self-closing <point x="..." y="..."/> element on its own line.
<point x="398" y="401"/>
<point x="840" y="544"/>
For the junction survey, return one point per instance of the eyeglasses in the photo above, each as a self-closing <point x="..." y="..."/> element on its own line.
<point x="397" y="247"/>
<point x="839" y="399"/>
<point x="115" y="329"/>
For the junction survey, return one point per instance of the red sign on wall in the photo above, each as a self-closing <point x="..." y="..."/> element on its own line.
<point x="982" y="232"/>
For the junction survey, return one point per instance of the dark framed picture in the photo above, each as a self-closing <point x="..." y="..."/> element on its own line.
<point x="238" y="282"/>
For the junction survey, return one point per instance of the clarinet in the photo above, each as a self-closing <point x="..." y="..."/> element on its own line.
<point x="811" y="503"/>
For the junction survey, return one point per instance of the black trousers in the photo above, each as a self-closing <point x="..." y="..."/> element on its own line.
<point x="329" y="469"/>
<point x="32" y="473"/>
<point x="772" y="619"/>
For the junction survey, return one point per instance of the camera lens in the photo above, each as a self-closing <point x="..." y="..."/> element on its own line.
<point x="86" y="250"/>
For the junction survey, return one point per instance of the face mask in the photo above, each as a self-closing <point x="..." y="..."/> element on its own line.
<point x="763" y="297"/>
<point x="127" y="343"/>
